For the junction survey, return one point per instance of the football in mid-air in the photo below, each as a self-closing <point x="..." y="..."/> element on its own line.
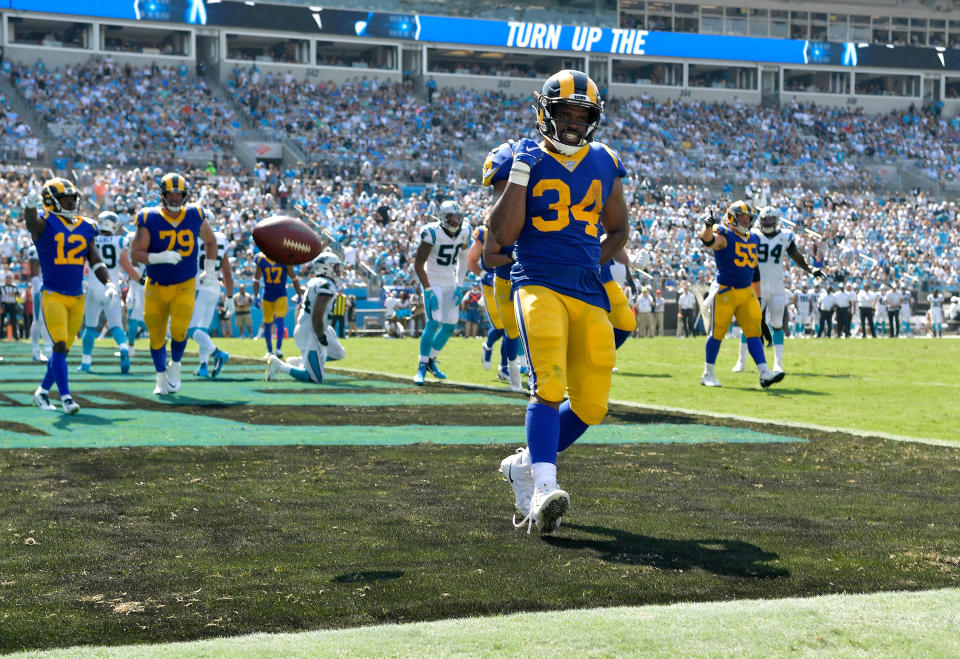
<point x="286" y="240"/>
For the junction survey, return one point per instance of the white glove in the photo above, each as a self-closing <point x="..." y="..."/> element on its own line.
<point x="169" y="257"/>
<point x="31" y="200"/>
<point x="110" y="293"/>
<point x="209" y="274"/>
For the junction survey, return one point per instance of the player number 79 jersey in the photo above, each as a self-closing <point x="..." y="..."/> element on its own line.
<point x="316" y="287"/>
<point x="441" y="265"/>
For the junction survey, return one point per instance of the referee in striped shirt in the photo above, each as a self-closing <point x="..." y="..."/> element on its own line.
<point x="339" y="314"/>
<point x="8" y="300"/>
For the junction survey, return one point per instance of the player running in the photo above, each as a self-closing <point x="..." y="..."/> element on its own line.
<point x="112" y="244"/>
<point x="208" y="296"/>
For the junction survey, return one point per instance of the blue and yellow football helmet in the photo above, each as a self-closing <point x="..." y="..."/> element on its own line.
<point x="568" y="87"/>
<point x="173" y="182"/>
<point x="55" y="189"/>
<point x="739" y="217"/>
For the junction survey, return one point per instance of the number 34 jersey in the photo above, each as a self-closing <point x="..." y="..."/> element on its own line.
<point x="771" y="253"/>
<point x="559" y="245"/>
<point x="441" y="265"/>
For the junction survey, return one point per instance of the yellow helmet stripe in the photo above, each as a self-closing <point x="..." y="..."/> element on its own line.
<point x="592" y="92"/>
<point x="567" y="86"/>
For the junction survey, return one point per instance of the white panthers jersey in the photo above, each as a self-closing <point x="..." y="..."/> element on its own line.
<point x="221" y="254"/>
<point x="110" y="248"/>
<point x="316" y="287"/>
<point x="803" y="302"/>
<point x="771" y="254"/>
<point x="619" y="273"/>
<point x="936" y="301"/>
<point x="441" y="265"/>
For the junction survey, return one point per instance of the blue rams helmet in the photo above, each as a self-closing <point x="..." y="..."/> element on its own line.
<point x="447" y="209"/>
<point x="55" y="189"/>
<point x="568" y="87"/>
<point x="739" y="217"/>
<point x="173" y="182"/>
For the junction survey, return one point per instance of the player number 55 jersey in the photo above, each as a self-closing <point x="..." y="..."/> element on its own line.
<point x="316" y="287"/>
<point x="441" y="265"/>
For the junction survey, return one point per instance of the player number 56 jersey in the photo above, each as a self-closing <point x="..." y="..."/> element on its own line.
<point x="441" y="265"/>
<point x="316" y="287"/>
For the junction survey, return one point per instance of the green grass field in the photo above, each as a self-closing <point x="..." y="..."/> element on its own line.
<point x="240" y="506"/>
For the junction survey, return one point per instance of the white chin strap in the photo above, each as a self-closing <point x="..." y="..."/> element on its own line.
<point x="565" y="149"/>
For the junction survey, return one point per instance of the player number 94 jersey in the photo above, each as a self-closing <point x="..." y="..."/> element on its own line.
<point x="771" y="254"/>
<point x="316" y="287"/>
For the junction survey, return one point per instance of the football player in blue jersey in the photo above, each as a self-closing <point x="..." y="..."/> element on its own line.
<point x="478" y="266"/>
<point x="501" y="258"/>
<point x="274" y="303"/>
<point x="167" y="242"/>
<point x="734" y="294"/>
<point x="64" y="241"/>
<point x="551" y="199"/>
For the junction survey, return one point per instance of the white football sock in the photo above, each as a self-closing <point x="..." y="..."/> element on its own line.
<point x="205" y="346"/>
<point x="544" y="475"/>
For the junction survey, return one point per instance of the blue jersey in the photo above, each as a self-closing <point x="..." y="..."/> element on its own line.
<point x="181" y="234"/>
<point x="480" y="234"/>
<point x="559" y="244"/>
<point x="606" y="274"/>
<point x="737" y="261"/>
<point x="62" y="251"/>
<point x="274" y="279"/>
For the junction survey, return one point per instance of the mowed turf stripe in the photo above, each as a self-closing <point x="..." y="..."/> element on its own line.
<point x="893" y="624"/>
<point x="144" y="429"/>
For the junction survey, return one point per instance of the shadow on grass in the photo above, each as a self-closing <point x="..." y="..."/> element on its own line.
<point x="373" y="575"/>
<point x="643" y="375"/>
<point x="719" y="556"/>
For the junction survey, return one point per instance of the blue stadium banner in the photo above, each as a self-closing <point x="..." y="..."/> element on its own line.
<point x="504" y="34"/>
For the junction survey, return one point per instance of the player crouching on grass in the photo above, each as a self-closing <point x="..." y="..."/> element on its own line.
<point x="314" y="336"/>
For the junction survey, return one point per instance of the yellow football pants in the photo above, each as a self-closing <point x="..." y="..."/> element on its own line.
<point x="570" y="347"/>
<point x="490" y="304"/>
<point x="502" y="289"/>
<point x="163" y="303"/>
<point x="63" y="316"/>
<point x="741" y="303"/>
<point x="621" y="315"/>
<point x="274" y="309"/>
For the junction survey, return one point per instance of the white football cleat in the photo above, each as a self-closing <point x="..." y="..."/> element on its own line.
<point x="709" y="380"/>
<point x="39" y="357"/>
<point x="738" y="367"/>
<point x="69" y="405"/>
<point x="486" y="356"/>
<point x="173" y="377"/>
<point x="161" y="389"/>
<point x="516" y="379"/>
<point x="296" y="361"/>
<point x="274" y="367"/>
<point x="520" y="478"/>
<point x="41" y="399"/>
<point x="547" y="507"/>
<point x="777" y="367"/>
<point x="768" y="377"/>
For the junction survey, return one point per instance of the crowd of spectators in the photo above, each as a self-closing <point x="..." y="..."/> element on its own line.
<point x="104" y="113"/>
<point x="366" y="139"/>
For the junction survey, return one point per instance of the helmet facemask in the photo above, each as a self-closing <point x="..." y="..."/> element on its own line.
<point x="447" y="209"/>
<point x="56" y="189"/>
<point x="547" y="123"/>
<point x="769" y="220"/>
